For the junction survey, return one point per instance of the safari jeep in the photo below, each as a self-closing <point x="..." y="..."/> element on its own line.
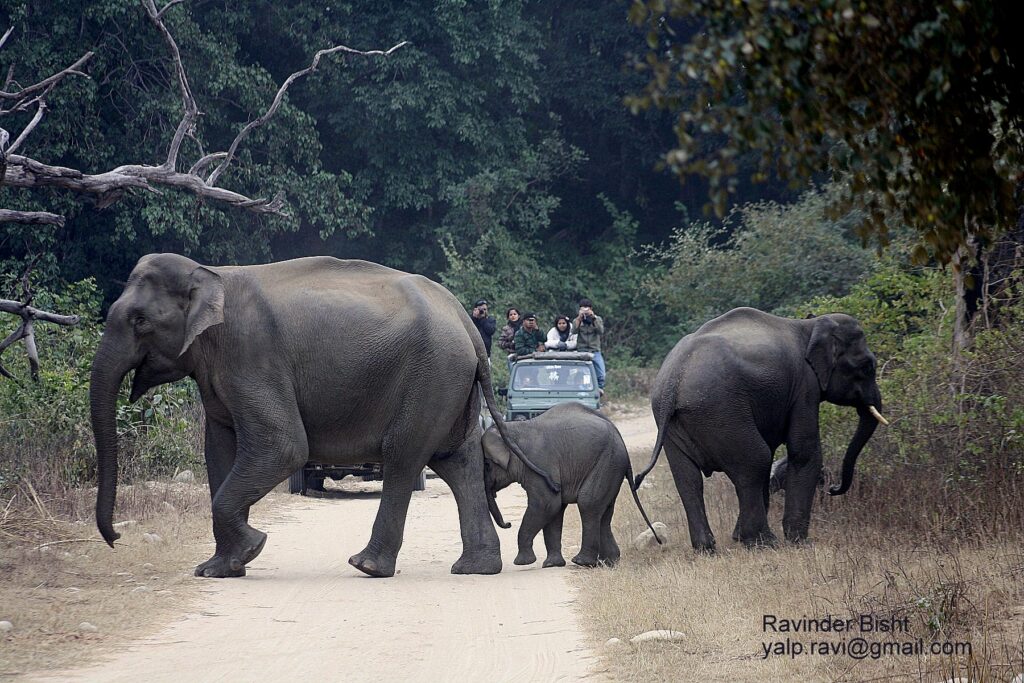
<point x="542" y="380"/>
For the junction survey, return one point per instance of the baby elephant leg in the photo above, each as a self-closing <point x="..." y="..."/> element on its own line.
<point x="609" y="553"/>
<point x="590" y="549"/>
<point x="533" y="520"/>
<point x="553" y="540"/>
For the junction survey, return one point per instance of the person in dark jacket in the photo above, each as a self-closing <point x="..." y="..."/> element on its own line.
<point x="485" y="324"/>
<point x="507" y="338"/>
<point x="529" y="338"/>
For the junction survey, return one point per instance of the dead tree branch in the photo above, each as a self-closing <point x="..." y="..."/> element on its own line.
<point x="26" y="330"/>
<point x="112" y="185"/>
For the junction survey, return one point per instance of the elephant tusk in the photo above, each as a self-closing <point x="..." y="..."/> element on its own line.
<point x="877" y="415"/>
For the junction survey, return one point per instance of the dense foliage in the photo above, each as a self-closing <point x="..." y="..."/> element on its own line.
<point x="919" y="102"/>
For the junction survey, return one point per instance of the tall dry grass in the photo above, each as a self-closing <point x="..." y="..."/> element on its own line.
<point x="861" y="561"/>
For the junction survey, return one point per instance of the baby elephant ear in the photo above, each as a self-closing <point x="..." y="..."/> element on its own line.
<point x="205" y="304"/>
<point x="495" y="449"/>
<point x="822" y="349"/>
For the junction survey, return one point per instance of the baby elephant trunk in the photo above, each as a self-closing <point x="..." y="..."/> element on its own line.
<point x="492" y="505"/>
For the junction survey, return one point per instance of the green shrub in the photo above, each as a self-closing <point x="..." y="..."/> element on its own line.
<point x="45" y="430"/>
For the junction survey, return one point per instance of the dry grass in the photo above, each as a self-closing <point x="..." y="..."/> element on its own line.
<point x="58" y="573"/>
<point x="950" y="592"/>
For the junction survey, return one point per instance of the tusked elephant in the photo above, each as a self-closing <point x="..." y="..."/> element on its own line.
<point x="584" y="452"/>
<point x="744" y="383"/>
<point x="344" y="362"/>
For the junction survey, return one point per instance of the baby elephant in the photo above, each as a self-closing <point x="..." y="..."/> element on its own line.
<point x="581" y="450"/>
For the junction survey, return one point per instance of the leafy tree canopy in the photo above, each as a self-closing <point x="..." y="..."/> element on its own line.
<point x="919" y="102"/>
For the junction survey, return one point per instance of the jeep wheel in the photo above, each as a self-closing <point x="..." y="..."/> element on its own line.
<point x="297" y="481"/>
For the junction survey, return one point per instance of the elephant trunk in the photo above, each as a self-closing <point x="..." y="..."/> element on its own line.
<point x="492" y="505"/>
<point x="108" y="369"/>
<point x="865" y="428"/>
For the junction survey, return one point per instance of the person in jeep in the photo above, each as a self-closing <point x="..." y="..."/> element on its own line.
<point x="561" y="337"/>
<point x="589" y="330"/>
<point x="529" y="338"/>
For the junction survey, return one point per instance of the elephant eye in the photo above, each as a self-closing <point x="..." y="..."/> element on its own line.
<point x="141" y="325"/>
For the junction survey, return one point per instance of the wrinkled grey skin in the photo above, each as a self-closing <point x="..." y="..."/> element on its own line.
<point x="584" y="452"/>
<point x="744" y="383"/>
<point x="343" y="362"/>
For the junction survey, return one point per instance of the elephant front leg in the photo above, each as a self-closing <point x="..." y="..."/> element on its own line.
<point x="256" y="470"/>
<point x="553" y="540"/>
<point x="534" y="519"/>
<point x="463" y="471"/>
<point x="802" y="475"/>
<point x="752" y="526"/>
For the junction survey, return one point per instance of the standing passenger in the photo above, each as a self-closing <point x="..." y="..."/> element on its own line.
<point x="485" y="324"/>
<point x="589" y="330"/>
<point x="507" y="338"/>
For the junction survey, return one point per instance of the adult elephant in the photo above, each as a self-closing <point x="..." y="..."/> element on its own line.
<point x="730" y="393"/>
<point x="344" y="362"/>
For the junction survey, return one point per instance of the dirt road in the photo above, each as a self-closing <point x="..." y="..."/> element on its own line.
<point x="302" y="613"/>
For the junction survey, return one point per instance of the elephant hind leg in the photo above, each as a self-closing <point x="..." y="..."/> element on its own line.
<point x="553" y="540"/>
<point x="690" y="484"/>
<point x="609" y="553"/>
<point x="590" y="550"/>
<point x="463" y="472"/>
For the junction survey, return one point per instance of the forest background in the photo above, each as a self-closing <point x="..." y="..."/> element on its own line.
<point x="507" y="151"/>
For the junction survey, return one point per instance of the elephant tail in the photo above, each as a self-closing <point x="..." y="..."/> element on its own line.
<point x="636" y="498"/>
<point x="654" y="460"/>
<point x="483" y="376"/>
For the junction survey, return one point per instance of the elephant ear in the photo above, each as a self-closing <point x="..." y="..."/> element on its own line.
<point x="822" y="349"/>
<point x="205" y="304"/>
<point x="495" y="449"/>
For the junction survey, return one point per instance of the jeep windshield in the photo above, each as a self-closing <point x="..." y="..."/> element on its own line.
<point x="553" y="377"/>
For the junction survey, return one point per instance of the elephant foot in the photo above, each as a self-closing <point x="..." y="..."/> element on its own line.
<point x="525" y="557"/>
<point x="373" y="564"/>
<point x="585" y="559"/>
<point x="796" y="536"/>
<point x="765" y="539"/>
<point x="609" y="560"/>
<point x="480" y="562"/>
<point x="219" y="567"/>
<point x="704" y="548"/>
<point x="226" y="566"/>
<point x="554" y="561"/>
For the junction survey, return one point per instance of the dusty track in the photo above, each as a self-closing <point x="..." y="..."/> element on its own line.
<point x="303" y="613"/>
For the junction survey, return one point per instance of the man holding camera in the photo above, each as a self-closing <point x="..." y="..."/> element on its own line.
<point x="589" y="330"/>
<point x="485" y="324"/>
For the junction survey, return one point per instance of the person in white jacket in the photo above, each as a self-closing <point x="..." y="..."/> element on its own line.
<point x="561" y="337"/>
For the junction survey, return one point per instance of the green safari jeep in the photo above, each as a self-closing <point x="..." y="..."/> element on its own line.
<point x="542" y="380"/>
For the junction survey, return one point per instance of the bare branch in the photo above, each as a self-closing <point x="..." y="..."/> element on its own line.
<point x="206" y="161"/>
<point x="31" y="217"/>
<point x="26" y="330"/>
<point x="252" y="125"/>
<point x="7" y="35"/>
<point x="111" y="186"/>
<point x="40" y="111"/>
<point x="25" y="93"/>
<point x="188" y="119"/>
